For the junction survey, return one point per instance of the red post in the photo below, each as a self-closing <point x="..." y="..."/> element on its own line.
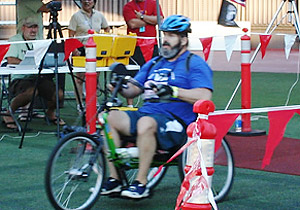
<point x="208" y="133"/>
<point x="246" y="80"/>
<point x="91" y="85"/>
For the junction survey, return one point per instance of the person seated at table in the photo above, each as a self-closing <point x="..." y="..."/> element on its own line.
<point x="22" y="87"/>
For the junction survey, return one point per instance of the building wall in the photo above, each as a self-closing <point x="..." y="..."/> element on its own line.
<point x="258" y="12"/>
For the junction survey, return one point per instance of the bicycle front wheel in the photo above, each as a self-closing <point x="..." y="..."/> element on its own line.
<point x="75" y="172"/>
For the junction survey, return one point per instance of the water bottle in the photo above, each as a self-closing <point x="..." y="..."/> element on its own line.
<point x="238" y="124"/>
<point x="131" y="152"/>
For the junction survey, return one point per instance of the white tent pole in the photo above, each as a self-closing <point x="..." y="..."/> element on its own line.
<point x="158" y="22"/>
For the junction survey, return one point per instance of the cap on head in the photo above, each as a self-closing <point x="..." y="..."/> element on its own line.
<point x="176" y="24"/>
<point x="30" y="21"/>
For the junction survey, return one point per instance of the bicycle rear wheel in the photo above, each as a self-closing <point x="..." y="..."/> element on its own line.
<point x="224" y="171"/>
<point x="223" y="176"/>
<point x="75" y="172"/>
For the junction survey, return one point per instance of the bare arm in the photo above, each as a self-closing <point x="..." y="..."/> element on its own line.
<point x="131" y="92"/>
<point x="71" y="33"/>
<point x="44" y="7"/>
<point x="107" y="29"/>
<point x="75" y="52"/>
<point x="148" y="19"/>
<point x="13" y="60"/>
<point x="135" y="23"/>
<point x="193" y="95"/>
<point x="140" y="22"/>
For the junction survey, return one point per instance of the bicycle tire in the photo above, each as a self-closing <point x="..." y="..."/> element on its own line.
<point x="223" y="176"/>
<point x="152" y="181"/>
<point x="71" y="181"/>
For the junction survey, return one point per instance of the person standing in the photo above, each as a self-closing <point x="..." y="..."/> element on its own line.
<point x="141" y="18"/>
<point x="85" y="19"/>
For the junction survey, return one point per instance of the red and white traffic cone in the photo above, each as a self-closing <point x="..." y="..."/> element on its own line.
<point x="91" y="85"/>
<point x="208" y="133"/>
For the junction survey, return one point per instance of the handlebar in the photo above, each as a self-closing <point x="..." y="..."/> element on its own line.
<point x="113" y="100"/>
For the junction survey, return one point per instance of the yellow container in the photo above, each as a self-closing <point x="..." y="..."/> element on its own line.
<point x="111" y="60"/>
<point x="103" y="45"/>
<point x="123" y="48"/>
<point x="79" y="61"/>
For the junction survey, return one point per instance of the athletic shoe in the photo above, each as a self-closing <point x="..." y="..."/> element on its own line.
<point x="136" y="190"/>
<point x="111" y="186"/>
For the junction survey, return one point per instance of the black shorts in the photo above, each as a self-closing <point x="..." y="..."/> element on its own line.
<point x="45" y="87"/>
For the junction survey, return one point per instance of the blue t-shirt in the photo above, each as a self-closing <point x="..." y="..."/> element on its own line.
<point x="176" y="74"/>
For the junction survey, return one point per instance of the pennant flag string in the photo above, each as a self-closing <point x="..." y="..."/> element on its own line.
<point x="264" y="40"/>
<point x="70" y="46"/>
<point x="3" y="50"/>
<point x="254" y="110"/>
<point x="289" y="40"/>
<point x="206" y="43"/>
<point x="108" y="35"/>
<point x="229" y="40"/>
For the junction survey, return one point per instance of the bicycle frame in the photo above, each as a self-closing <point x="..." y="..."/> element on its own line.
<point x="115" y="157"/>
<point x="77" y="165"/>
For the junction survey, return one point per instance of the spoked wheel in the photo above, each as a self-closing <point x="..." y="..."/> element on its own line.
<point x="223" y="176"/>
<point x="152" y="181"/>
<point x="75" y="172"/>
<point x="224" y="171"/>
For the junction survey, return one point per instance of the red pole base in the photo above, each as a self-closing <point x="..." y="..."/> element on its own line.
<point x="204" y="206"/>
<point x="91" y="101"/>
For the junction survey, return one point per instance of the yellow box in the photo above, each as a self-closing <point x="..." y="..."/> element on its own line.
<point x="123" y="47"/>
<point x="103" y="45"/>
<point x="79" y="61"/>
<point x="111" y="60"/>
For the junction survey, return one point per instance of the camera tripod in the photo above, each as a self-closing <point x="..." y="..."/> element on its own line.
<point x="54" y="28"/>
<point x="293" y="17"/>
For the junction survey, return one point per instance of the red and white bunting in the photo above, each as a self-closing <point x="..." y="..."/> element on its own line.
<point x="289" y="40"/>
<point x="223" y="124"/>
<point x="229" y="44"/>
<point x="40" y="49"/>
<point x="206" y="44"/>
<point x="147" y="47"/>
<point x="278" y="119"/>
<point x="264" y="41"/>
<point x="3" y="50"/>
<point x="70" y="46"/>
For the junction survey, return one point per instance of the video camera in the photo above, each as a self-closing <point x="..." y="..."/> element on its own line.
<point x="54" y="6"/>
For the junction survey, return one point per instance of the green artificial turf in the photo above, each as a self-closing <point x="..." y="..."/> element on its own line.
<point x="22" y="170"/>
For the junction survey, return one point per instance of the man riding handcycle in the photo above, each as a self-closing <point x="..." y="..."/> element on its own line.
<point x="171" y="83"/>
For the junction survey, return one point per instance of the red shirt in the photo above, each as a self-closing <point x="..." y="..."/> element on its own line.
<point x="147" y="7"/>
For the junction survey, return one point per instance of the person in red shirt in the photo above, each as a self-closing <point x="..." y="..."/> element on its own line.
<point x="141" y="18"/>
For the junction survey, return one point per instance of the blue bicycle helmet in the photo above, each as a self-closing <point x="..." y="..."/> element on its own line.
<point x="176" y="24"/>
